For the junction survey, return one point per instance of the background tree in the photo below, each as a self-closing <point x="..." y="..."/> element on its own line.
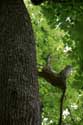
<point x="59" y="28"/>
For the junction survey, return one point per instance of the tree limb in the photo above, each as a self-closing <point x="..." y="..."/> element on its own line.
<point x="55" y="79"/>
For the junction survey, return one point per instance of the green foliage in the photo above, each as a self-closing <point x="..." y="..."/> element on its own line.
<point x="58" y="29"/>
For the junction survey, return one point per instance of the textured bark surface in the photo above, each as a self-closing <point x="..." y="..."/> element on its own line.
<point x="19" y="101"/>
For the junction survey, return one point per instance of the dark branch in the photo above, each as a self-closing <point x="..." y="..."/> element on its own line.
<point x="61" y="106"/>
<point x="55" y="79"/>
<point x="38" y="2"/>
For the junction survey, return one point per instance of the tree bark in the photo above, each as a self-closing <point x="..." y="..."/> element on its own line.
<point x="19" y="99"/>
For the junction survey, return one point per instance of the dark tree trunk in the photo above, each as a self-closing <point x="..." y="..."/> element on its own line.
<point x="19" y="101"/>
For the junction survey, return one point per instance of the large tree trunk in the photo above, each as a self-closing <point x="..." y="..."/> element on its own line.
<point x="19" y="101"/>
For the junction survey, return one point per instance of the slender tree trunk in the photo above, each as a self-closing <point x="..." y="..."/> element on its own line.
<point x="19" y="101"/>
